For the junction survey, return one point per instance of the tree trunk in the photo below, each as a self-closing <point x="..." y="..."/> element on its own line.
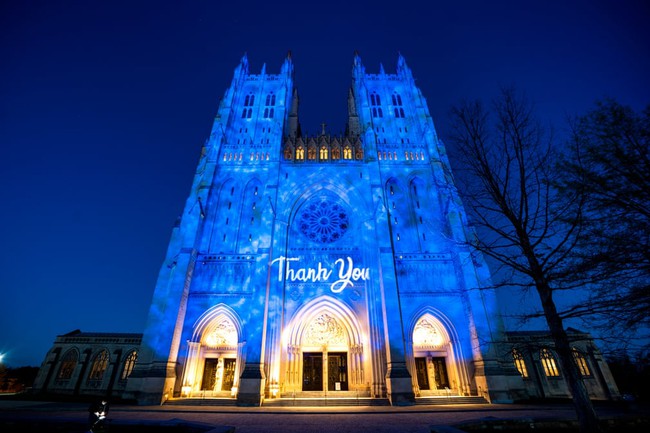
<point x="584" y="408"/>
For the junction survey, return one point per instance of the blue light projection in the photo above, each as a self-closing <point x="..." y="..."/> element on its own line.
<point x="362" y="232"/>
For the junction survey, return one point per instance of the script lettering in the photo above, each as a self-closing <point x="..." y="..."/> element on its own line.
<point x="347" y="273"/>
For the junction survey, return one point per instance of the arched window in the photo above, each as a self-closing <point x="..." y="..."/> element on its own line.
<point x="129" y="363"/>
<point x="288" y="154"/>
<point x="249" y="100"/>
<point x="269" y="104"/>
<point x="311" y="153"/>
<point x="397" y="103"/>
<point x="336" y="153"/>
<point x="581" y="362"/>
<point x="68" y="364"/>
<point x="520" y="363"/>
<point x="323" y="153"/>
<point x="300" y="153"/>
<point x="375" y="105"/>
<point x="549" y="364"/>
<point x="347" y="152"/>
<point x="100" y="363"/>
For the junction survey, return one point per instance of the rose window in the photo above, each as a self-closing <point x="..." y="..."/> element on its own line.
<point x="323" y="221"/>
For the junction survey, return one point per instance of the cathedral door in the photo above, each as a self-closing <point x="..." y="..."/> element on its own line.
<point x="312" y="371"/>
<point x="422" y="373"/>
<point x="337" y="371"/>
<point x="440" y="372"/>
<point x="209" y="374"/>
<point x="228" y="374"/>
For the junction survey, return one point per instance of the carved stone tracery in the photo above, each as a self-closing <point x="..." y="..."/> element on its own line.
<point x="324" y="330"/>
<point x="224" y="334"/>
<point x="426" y="334"/>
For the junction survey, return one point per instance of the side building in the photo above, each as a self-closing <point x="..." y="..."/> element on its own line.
<point x="88" y="364"/>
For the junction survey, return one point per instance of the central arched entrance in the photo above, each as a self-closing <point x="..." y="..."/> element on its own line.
<point x="324" y="350"/>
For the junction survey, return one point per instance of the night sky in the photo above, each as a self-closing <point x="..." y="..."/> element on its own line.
<point x="104" y="107"/>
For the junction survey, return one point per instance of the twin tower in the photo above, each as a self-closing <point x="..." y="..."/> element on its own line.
<point x="320" y="265"/>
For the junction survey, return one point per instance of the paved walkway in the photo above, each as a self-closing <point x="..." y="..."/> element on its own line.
<point x="412" y="419"/>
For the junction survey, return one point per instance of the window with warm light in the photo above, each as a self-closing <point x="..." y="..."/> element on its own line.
<point x="68" y="364"/>
<point x="548" y="363"/>
<point x="129" y="364"/>
<point x="581" y="362"/>
<point x="520" y="363"/>
<point x="99" y="366"/>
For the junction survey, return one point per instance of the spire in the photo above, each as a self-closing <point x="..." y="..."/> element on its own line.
<point x="357" y="67"/>
<point x="352" y="107"/>
<point x="381" y="69"/>
<point x="263" y="72"/>
<point x="287" y="65"/>
<point x="294" y="125"/>
<point x="242" y="68"/>
<point x="352" y="129"/>
<point x="401" y="61"/>
<point x="402" y="68"/>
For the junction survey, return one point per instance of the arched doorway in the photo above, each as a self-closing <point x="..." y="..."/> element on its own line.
<point x="324" y="350"/>
<point x="214" y="355"/>
<point x="434" y="364"/>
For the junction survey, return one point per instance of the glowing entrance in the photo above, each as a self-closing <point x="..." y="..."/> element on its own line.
<point x="434" y="361"/>
<point x="214" y="355"/>
<point x="325" y="351"/>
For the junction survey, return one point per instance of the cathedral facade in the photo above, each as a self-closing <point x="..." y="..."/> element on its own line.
<point x="322" y="264"/>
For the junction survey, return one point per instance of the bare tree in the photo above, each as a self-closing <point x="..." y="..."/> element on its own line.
<point x="507" y="164"/>
<point x="609" y="164"/>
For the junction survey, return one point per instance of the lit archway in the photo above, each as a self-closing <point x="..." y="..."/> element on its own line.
<point x="324" y="349"/>
<point x="214" y="354"/>
<point x="435" y="360"/>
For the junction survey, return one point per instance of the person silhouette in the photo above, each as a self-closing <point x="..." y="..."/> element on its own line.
<point x="97" y="413"/>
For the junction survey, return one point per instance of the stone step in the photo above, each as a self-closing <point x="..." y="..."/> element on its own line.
<point x="323" y="402"/>
<point x="441" y="400"/>
<point x="195" y="401"/>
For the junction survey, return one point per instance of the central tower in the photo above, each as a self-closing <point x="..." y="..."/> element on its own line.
<point x="320" y="264"/>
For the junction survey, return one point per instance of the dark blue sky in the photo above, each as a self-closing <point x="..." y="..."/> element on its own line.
<point x="104" y="106"/>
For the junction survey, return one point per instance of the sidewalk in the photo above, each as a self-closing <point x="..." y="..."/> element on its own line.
<point x="411" y="419"/>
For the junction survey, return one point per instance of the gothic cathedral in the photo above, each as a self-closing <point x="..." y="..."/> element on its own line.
<point x="322" y="265"/>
